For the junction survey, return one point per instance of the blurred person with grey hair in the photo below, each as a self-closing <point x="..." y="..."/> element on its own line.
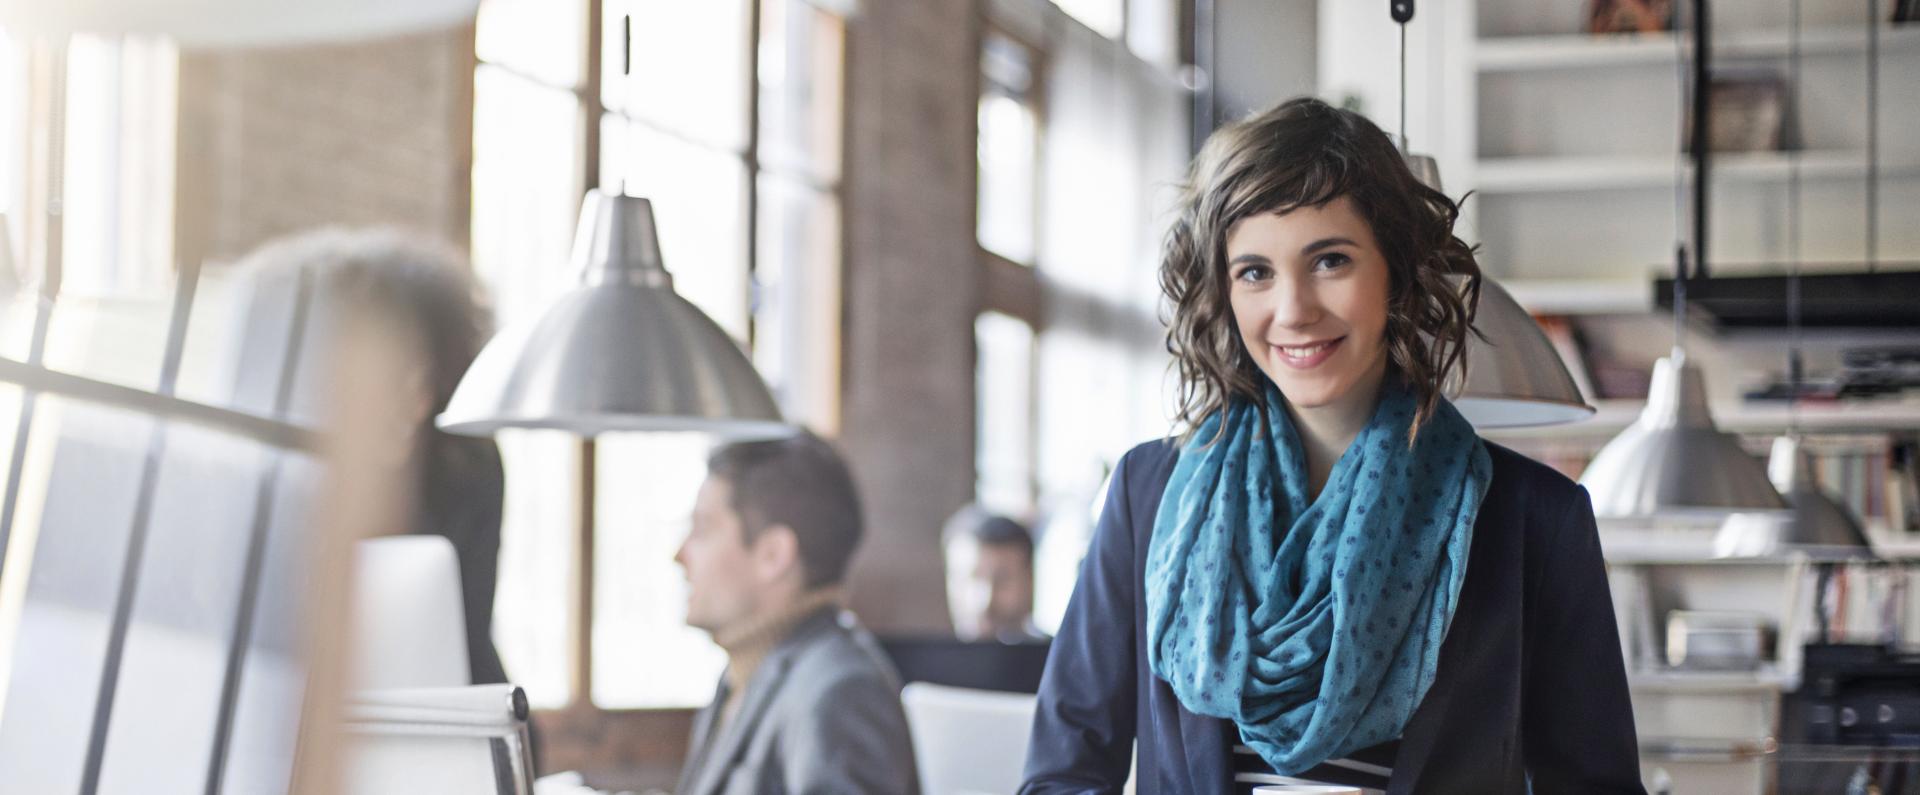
<point x="420" y="294"/>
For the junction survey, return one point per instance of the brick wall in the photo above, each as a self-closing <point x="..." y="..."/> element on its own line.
<point x="912" y="290"/>
<point x="276" y="140"/>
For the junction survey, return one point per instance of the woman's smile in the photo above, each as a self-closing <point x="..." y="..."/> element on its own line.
<point x="1306" y="356"/>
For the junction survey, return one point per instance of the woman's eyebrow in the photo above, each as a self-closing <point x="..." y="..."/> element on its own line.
<point x="1251" y="259"/>
<point x="1325" y="243"/>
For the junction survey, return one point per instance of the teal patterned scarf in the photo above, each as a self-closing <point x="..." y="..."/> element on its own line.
<point x="1314" y="626"/>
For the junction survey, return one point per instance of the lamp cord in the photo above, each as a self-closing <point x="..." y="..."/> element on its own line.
<point x="1795" y="365"/>
<point x="1681" y="67"/>
<point x="1873" y="136"/>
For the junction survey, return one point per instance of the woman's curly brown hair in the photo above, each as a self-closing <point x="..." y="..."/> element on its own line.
<point x="1306" y="153"/>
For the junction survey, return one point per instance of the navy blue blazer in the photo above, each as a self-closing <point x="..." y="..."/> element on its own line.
<point x="1531" y="687"/>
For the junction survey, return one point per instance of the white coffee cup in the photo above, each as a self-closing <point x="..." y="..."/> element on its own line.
<point x="1306" y="789"/>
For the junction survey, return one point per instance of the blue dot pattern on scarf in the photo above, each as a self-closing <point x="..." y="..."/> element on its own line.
<point x="1313" y="625"/>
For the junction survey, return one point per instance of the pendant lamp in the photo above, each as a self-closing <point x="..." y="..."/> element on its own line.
<point x="619" y="352"/>
<point x="1816" y="525"/>
<point x="1673" y="462"/>
<point x="9" y="278"/>
<point x="1514" y="377"/>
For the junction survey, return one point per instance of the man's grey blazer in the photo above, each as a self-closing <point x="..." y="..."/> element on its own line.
<point x="821" y="715"/>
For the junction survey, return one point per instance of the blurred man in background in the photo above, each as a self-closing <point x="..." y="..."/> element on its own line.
<point x="808" y="703"/>
<point x="990" y="577"/>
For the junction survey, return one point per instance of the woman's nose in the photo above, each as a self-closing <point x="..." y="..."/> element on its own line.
<point x="1295" y="305"/>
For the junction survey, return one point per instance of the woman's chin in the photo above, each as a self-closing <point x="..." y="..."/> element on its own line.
<point x="1313" y="393"/>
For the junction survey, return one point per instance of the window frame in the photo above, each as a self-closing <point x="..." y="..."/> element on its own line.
<point x="583" y="734"/>
<point x="1009" y="287"/>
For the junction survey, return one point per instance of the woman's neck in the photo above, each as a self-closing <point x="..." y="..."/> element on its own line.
<point x="1327" y="431"/>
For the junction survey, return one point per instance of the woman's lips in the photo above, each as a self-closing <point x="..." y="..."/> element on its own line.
<point x="1306" y="357"/>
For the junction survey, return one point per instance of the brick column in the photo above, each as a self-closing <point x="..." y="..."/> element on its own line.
<point x="911" y="291"/>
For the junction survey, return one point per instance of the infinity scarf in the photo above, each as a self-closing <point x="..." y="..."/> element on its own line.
<point x="1315" y="626"/>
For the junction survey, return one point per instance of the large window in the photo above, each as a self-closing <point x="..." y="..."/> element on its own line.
<point x="727" y="115"/>
<point x="1081" y="140"/>
<point x="137" y="650"/>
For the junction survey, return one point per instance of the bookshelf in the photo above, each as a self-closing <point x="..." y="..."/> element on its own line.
<point x="1568" y="145"/>
<point x="1580" y="51"/>
<point x="1568" y="142"/>
<point x="1863" y="417"/>
<point x="1614" y="172"/>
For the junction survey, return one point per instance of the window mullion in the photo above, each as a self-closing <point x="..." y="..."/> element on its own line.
<point x="592" y="108"/>
<point x="752" y="160"/>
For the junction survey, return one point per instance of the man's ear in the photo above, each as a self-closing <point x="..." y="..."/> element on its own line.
<point x="776" y="551"/>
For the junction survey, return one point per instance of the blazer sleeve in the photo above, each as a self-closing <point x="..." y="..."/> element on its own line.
<point x="1577" y="719"/>
<point x="1083" y="724"/>
<point x="854" y="742"/>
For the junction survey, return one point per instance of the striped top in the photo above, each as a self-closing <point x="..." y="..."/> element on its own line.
<point x="1367" y="768"/>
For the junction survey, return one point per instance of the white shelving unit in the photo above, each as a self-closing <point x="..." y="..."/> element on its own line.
<point x="1740" y="417"/>
<point x="1577" y="173"/>
<point x="1567" y="141"/>
<point x="1579" y="50"/>
<point x="1581" y="296"/>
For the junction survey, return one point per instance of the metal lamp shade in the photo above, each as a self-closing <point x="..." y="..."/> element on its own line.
<point x="9" y="278"/>
<point x="1514" y="377"/>
<point x="1424" y="168"/>
<point x="1816" y="526"/>
<point x="1673" y="462"/>
<point x="620" y="352"/>
<point x="235" y="22"/>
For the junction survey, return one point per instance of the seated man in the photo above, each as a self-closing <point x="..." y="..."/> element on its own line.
<point x="990" y="577"/>
<point x="808" y="703"/>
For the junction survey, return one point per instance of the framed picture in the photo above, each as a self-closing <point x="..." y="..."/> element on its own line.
<point x="1748" y="111"/>
<point x="1629" y="16"/>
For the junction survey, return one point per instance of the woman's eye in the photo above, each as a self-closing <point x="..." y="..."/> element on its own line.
<point x="1252" y="273"/>
<point x="1327" y="262"/>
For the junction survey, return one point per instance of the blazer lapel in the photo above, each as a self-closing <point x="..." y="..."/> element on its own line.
<point x="762" y="690"/>
<point x="701" y="742"/>
<point x="1204" y="740"/>
<point x="1429" y="719"/>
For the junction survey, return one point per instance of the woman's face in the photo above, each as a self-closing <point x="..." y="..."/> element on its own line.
<point x="1309" y="294"/>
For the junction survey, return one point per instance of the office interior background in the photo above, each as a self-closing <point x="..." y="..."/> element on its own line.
<point x="933" y="228"/>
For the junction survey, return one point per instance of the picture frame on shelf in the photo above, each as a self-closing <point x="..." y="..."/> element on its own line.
<point x="1749" y="112"/>
<point x="1629" y="16"/>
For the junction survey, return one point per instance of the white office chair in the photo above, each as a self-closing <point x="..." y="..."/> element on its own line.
<point x="415" y="722"/>
<point x="968" y="742"/>
<point x="439" y="740"/>
<point x="409" y="628"/>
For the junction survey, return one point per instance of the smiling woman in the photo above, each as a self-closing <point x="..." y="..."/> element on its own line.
<point x="1332" y="578"/>
<point x="1319" y="166"/>
<point x="1313" y="316"/>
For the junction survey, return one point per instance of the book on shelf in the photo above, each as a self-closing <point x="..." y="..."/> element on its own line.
<point x="1566" y="341"/>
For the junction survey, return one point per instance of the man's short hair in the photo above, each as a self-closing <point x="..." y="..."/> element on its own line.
<point x="802" y="483"/>
<point x="988" y="529"/>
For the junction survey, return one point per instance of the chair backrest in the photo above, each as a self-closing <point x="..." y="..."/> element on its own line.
<point x="408" y="624"/>
<point x="968" y="742"/>
<point x="438" y="741"/>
